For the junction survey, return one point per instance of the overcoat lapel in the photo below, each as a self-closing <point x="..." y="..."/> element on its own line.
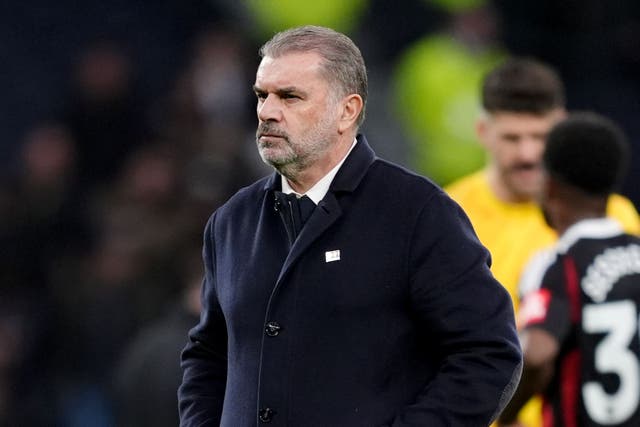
<point x="325" y="214"/>
<point x="329" y="210"/>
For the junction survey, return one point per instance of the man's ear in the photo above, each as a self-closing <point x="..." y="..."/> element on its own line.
<point x="351" y="106"/>
<point x="482" y="129"/>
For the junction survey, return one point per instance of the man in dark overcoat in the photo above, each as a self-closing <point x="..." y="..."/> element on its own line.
<point x="342" y="290"/>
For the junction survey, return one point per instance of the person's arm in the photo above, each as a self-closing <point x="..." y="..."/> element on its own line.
<point x="540" y="350"/>
<point x="468" y="323"/>
<point x="204" y="359"/>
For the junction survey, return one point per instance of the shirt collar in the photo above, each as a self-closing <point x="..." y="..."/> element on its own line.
<point x="320" y="188"/>
<point x="596" y="228"/>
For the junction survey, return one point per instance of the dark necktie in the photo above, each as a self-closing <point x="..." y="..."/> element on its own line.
<point x="306" y="206"/>
<point x="294" y="211"/>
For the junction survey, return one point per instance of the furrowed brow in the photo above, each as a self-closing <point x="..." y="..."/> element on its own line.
<point x="287" y="90"/>
<point x="281" y="92"/>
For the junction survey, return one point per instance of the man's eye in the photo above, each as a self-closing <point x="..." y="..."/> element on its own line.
<point x="260" y="95"/>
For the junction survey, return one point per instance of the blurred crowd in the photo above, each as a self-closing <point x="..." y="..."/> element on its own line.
<point x="143" y="130"/>
<point x="101" y="224"/>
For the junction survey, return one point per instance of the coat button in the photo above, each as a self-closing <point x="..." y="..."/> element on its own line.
<point x="272" y="329"/>
<point x="266" y="415"/>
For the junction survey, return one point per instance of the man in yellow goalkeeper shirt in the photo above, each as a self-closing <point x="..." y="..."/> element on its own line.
<point x="521" y="99"/>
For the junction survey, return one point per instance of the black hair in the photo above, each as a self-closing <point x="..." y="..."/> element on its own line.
<point x="523" y="85"/>
<point x="587" y="151"/>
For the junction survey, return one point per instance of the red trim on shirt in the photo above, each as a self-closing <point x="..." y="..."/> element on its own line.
<point x="573" y="287"/>
<point x="547" y="414"/>
<point x="570" y="368"/>
<point x="570" y="388"/>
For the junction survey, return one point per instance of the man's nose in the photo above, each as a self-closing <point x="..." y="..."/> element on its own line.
<point x="531" y="149"/>
<point x="269" y="109"/>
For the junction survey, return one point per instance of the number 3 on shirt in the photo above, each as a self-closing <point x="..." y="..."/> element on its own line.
<point x="619" y="321"/>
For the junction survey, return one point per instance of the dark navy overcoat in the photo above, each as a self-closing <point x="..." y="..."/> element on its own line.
<point x="382" y="312"/>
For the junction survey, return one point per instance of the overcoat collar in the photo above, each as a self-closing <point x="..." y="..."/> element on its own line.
<point x="329" y="210"/>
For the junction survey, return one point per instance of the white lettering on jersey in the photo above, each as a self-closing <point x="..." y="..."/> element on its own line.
<point x="607" y="268"/>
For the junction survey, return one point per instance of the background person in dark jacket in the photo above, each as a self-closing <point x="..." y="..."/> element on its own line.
<point x="379" y="309"/>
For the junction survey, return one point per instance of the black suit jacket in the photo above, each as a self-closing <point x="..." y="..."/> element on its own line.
<point x="383" y="311"/>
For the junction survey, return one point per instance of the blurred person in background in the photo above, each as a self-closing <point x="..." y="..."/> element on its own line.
<point x="41" y="228"/>
<point x="97" y="317"/>
<point x="25" y="383"/>
<point x="104" y="113"/>
<point x="148" y="373"/>
<point x="522" y="99"/>
<point x="147" y="206"/>
<point x="579" y="316"/>
<point x="40" y="215"/>
<point x="341" y="290"/>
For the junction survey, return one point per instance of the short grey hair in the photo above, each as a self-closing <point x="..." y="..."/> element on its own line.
<point x="342" y="65"/>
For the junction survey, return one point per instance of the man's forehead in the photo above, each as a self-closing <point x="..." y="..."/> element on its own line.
<point x="295" y="56"/>
<point x="524" y="116"/>
<point x="292" y="66"/>
<point x="515" y="122"/>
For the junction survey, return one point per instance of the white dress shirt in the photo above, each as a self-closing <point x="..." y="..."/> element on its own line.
<point x="320" y="188"/>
